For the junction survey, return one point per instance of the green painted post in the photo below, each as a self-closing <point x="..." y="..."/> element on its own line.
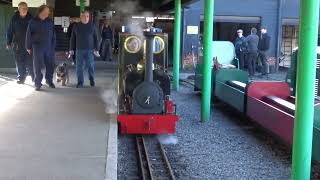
<point x="207" y="60"/>
<point x="81" y="6"/>
<point x="306" y="73"/>
<point x="176" y="44"/>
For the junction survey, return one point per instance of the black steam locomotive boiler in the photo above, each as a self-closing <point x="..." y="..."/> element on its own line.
<point x="145" y="106"/>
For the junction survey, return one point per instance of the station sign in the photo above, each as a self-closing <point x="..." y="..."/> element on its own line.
<point x="31" y="3"/>
<point x="58" y="21"/>
<point x="193" y="30"/>
<point x="65" y="21"/>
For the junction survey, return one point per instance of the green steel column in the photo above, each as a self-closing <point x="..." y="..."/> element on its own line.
<point x="207" y="60"/>
<point x="306" y="73"/>
<point x="81" y="6"/>
<point x="176" y="44"/>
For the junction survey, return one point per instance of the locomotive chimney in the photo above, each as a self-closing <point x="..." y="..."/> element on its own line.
<point x="149" y="56"/>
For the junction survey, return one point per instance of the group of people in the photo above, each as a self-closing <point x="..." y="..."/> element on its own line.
<point x="33" y="41"/>
<point x="251" y="48"/>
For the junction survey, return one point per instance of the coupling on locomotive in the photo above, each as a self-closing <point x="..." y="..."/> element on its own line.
<point x="145" y="105"/>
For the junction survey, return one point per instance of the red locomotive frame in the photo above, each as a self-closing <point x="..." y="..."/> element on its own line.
<point x="150" y="124"/>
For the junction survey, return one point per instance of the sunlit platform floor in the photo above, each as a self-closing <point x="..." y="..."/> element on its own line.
<point x="54" y="134"/>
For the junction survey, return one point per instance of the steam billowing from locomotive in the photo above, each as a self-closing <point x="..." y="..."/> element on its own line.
<point x="109" y="97"/>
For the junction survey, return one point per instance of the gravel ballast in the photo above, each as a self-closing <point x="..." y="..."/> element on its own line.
<point x="228" y="146"/>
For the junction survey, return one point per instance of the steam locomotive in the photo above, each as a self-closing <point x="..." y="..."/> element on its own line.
<point x="145" y="105"/>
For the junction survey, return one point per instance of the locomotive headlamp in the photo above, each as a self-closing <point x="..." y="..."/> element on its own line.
<point x="158" y="45"/>
<point x="132" y="44"/>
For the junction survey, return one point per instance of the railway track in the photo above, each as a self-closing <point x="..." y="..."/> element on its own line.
<point x="153" y="161"/>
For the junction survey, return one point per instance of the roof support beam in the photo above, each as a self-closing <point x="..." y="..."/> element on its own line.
<point x="207" y="60"/>
<point x="176" y="44"/>
<point x="81" y="6"/>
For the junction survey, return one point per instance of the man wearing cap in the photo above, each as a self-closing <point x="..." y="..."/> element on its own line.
<point x="264" y="44"/>
<point x="241" y="47"/>
<point x="253" y="41"/>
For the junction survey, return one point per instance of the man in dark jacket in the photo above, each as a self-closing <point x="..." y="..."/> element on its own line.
<point x="84" y="39"/>
<point x="241" y="47"/>
<point x="107" y="37"/>
<point x="252" y="41"/>
<point x="41" y="42"/>
<point x="16" y="35"/>
<point x="264" y="44"/>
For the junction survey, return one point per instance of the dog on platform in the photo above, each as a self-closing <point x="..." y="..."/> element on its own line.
<point x="62" y="74"/>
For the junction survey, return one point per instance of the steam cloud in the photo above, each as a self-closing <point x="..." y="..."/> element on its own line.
<point x="167" y="139"/>
<point x="126" y="7"/>
<point x="132" y="8"/>
<point x="110" y="98"/>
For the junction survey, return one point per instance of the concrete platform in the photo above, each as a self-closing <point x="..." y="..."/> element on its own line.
<point x="57" y="134"/>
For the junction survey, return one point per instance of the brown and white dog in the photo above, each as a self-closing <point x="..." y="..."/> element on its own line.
<point x="62" y="74"/>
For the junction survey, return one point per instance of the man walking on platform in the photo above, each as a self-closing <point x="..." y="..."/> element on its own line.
<point x="264" y="44"/>
<point x="84" y="39"/>
<point x="41" y="42"/>
<point x="252" y="41"/>
<point x="16" y="35"/>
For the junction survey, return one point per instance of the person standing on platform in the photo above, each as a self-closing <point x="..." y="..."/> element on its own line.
<point x="252" y="41"/>
<point x="16" y="36"/>
<point x="41" y="42"/>
<point x="241" y="48"/>
<point x="264" y="44"/>
<point x="107" y="37"/>
<point x="84" y="39"/>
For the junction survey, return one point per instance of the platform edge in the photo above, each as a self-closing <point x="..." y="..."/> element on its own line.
<point x="112" y="150"/>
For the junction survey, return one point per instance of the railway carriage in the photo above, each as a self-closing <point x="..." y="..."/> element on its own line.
<point x="269" y="104"/>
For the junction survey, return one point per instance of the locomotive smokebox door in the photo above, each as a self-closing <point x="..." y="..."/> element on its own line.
<point x="148" y="99"/>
